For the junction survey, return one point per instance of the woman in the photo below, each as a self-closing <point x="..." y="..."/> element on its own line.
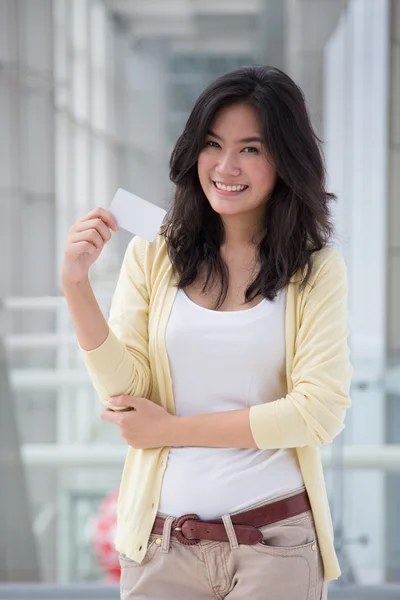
<point x="226" y="351"/>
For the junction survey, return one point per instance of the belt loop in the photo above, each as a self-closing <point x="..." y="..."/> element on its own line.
<point x="230" y="531"/>
<point x="166" y="534"/>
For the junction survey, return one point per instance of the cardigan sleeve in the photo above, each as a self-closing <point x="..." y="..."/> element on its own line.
<point x="121" y="364"/>
<point x="313" y="412"/>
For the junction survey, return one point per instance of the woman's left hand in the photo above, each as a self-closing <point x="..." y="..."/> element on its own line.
<point x="146" y="425"/>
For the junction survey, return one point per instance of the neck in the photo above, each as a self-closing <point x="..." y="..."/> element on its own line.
<point x="240" y="231"/>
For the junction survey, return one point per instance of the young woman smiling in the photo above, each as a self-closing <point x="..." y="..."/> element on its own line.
<point x="225" y="361"/>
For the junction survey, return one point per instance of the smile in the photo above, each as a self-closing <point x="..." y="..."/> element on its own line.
<point x="230" y="188"/>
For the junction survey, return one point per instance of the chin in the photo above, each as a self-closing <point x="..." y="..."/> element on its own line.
<point x="229" y="208"/>
<point x="231" y="213"/>
<point x="227" y="211"/>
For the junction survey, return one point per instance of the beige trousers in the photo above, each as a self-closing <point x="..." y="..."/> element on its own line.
<point x="286" y="565"/>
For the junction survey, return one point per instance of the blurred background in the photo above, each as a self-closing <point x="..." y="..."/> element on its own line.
<point x="93" y="94"/>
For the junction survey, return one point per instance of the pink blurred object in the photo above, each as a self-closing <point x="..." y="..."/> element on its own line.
<point x="103" y="533"/>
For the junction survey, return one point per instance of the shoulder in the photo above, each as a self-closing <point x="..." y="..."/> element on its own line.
<point x="328" y="256"/>
<point x="323" y="261"/>
<point x="328" y="278"/>
<point x="147" y="251"/>
<point x="152" y="258"/>
<point x="327" y="263"/>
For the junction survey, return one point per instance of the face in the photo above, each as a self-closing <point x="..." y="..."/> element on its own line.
<point x="234" y="170"/>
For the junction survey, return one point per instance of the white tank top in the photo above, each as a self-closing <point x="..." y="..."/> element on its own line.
<point x="223" y="361"/>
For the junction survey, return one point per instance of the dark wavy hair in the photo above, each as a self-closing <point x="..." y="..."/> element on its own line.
<point x="297" y="220"/>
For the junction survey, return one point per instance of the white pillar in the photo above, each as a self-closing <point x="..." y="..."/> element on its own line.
<point x="355" y="130"/>
<point x="308" y="25"/>
<point x="27" y="257"/>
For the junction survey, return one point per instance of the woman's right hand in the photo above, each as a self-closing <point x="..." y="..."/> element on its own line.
<point x="85" y="241"/>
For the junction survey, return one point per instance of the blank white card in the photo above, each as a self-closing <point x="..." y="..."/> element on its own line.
<point x="137" y="215"/>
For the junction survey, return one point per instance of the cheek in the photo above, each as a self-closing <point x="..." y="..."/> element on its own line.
<point x="265" y="178"/>
<point x="203" y="166"/>
<point x="200" y="169"/>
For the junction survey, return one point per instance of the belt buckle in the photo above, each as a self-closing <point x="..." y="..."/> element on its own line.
<point x="179" y="533"/>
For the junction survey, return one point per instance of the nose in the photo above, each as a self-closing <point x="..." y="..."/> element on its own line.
<point x="227" y="165"/>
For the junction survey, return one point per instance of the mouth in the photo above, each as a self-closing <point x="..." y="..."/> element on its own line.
<point x="229" y="189"/>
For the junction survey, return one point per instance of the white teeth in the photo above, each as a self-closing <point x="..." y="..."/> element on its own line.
<point x="230" y="188"/>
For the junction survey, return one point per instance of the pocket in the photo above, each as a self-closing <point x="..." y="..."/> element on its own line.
<point x="284" y="537"/>
<point x="305" y="550"/>
<point x="127" y="563"/>
<point x="131" y="571"/>
<point x="289" y="552"/>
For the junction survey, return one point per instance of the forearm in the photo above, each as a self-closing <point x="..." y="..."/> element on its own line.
<point x="90" y="325"/>
<point x="229" y="429"/>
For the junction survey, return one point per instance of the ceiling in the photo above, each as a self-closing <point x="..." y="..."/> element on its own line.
<point x="215" y="26"/>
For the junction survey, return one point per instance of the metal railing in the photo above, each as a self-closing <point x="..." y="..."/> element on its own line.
<point x="385" y="458"/>
<point x="85" y="592"/>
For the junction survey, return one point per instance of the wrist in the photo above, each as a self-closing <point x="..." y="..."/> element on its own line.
<point x="173" y="431"/>
<point x="69" y="285"/>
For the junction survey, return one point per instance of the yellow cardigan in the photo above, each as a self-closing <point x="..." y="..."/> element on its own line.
<point x="133" y="360"/>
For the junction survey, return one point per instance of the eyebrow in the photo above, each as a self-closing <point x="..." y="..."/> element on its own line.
<point x="243" y="141"/>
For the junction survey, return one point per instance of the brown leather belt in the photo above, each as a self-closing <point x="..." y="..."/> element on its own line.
<point x="189" y="530"/>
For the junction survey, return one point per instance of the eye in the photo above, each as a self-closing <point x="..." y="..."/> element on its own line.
<point x="212" y="144"/>
<point x="250" y="150"/>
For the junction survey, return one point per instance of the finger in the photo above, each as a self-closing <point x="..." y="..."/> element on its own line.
<point x="110" y="416"/>
<point x="90" y="235"/>
<point x="79" y="248"/>
<point x="104" y="215"/>
<point x="119" y="408"/>
<point x="129" y="402"/>
<point x="97" y="224"/>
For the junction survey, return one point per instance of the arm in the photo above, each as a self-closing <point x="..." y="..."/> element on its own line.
<point x="313" y="412"/>
<point x="120" y="365"/>
<point x="229" y="429"/>
<point x="116" y="356"/>
<point x="90" y="325"/>
<point x="85" y="242"/>
<point x="151" y="426"/>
